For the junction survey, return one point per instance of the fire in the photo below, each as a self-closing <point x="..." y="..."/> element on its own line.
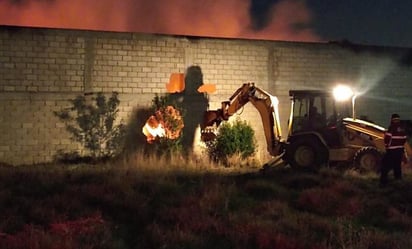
<point x="166" y="122"/>
<point x="153" y="129"/>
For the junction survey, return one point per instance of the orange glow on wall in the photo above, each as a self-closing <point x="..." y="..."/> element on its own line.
<point x="176" y="83"/>
<point x="207" y="88"/>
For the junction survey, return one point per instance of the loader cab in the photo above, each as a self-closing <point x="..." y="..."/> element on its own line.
<point x="315" y="111"/>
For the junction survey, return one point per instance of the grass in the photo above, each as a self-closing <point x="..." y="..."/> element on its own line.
<point x="148" y="202"/>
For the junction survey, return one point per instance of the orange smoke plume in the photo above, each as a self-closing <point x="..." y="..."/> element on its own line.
<point x="229" y="18"/>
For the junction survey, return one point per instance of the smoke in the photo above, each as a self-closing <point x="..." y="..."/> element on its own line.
<point x="208" y="18"/>
<point x="289" y="20"/>
<point x="74" y="14"/>
<point x="260" y="13"/>
<point x="255" y="19"/>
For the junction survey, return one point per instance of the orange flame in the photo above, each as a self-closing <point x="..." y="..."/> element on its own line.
<point x="166" y="122"/>
<point x="153" y="129"/>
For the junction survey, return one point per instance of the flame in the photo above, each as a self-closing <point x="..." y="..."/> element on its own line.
<point x="166" y="122"/>
<point x="153" y="129"/>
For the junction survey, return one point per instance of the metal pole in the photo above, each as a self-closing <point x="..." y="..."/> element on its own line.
<point x="353" y="106"/>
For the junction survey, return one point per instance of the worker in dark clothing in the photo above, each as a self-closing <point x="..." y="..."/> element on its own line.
<point x="395" y="138"/>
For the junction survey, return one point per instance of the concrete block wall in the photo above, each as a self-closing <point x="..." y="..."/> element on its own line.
<point x="41" y="69"/>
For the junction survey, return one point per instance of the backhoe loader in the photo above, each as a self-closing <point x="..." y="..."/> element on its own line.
<point x="318" y="133"/>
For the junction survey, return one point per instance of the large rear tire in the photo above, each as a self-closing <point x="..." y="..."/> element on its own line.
<point x="307" y="152"/>
<point x="368" y="159"/>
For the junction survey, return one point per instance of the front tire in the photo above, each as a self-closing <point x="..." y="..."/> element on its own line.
<point x="367" y="159"/>
<point x="306" y="153"/>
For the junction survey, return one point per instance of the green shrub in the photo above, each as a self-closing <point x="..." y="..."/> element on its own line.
<point x="93" y="125"/>
<point x="233" y="138"/>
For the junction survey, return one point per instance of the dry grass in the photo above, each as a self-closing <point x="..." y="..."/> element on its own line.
<point x="149" y="202"/>
<point x="177" y="164"/>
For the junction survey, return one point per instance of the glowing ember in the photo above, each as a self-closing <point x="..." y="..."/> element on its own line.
<point x="166" y="122"/>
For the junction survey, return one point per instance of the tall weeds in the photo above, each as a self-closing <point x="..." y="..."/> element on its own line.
<point x="152" y="202"/>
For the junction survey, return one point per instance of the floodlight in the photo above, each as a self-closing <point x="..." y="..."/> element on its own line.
<point x="343" y="93"/>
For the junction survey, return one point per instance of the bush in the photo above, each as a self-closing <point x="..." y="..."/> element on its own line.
<point x="93" y="125"/>
<point x="169" y="116"/>
<point x="232" y="138"/>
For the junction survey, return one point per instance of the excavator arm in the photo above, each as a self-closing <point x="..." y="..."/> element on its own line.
<point x="265" y="103"/>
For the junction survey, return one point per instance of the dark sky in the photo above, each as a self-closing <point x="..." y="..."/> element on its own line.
<point x="379" y="22"/>
<point x="373" y="22"/>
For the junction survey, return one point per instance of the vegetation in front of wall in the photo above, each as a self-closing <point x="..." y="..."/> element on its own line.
<point x="93" y="125"/>
<point x="234" y="139"/>
<point x="168" y="116"/>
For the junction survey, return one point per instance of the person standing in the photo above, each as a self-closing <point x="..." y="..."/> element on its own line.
<point x="394" y="139"/>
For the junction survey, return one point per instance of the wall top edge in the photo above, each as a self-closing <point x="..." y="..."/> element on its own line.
<point x="345" y="44"/>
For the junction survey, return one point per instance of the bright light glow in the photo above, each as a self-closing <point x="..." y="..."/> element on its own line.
<point x="158" y="131"/>
<point x="343" y="93"/>
<point x="153" y="129"/>
<point x="166" y="122"/>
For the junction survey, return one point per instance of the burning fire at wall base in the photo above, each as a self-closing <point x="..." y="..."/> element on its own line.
<point x="166" y="122"/>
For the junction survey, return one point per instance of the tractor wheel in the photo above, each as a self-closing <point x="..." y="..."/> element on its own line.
<point x="367" y="159"/>
<point x="306" y="153"/>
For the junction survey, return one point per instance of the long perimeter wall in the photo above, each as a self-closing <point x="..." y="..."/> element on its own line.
<point x="41" y="69"/>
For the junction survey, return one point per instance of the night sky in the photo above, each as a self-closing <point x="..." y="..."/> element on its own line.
<point x="371" y="22"/>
